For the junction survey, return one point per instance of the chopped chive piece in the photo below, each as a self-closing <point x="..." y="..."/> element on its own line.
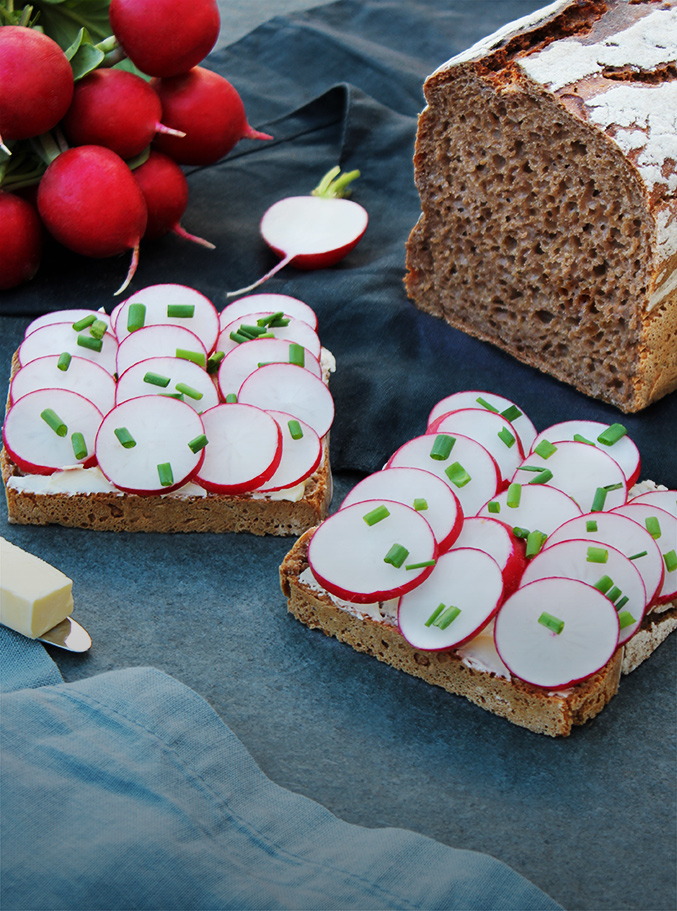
<point x="612" y="434"/>
<point x="514" y="495"/>
<point x="613" y="486"/>
<point x="614" y="594"/>
<point x="180" y="311"/>
<point x="238" y="337"/>
<point x="173" y="395"/>
<point x="250" y="336"/>
<point x="198" y="443"/>
<point x="670" y="561"/>
<point x="494" y="506"/>
<point x="376" y="515"/>
<point x="79" y="445"/>
<point x="165" y="474"/>
<point x="653" y="526"/>
<point x="625" y="618"/>
<point x="214" y="360"/>
<point x="537" y="469"/>
<point x="448" y="617"/>
<point x="124" y="437"/>
<point x="64" y="361"/>
<point x="185" y="389"/>
<point x="457" y="474"/>
<point x="535" y="541"/>
<point x="442" y="446"/>
<point x="624" y="600"/>
<point x="254" y="331"/>
<point x="98" y="328"/>
<point x="197" y="357"/>
<point x="420" y="504"/>
<point x="156" y="379"/>
<point x="579" y="438"/>
<point x="88" y="341"/>
<point x="545" y="449"/>
<point x="435" y="614"/>
<point x="231" y="398"/>
<point x="295" y="430"/>
<point x="84" y="323"/>
<point x="542" y="477"/>
<point x="506" y="437"/>
<point x="396" y="555"/>
<point x="642" y="553"/>
<point x="591" y="525"/>
<point x="511" y="413"/>
<point x="52" y="419"/>
<point x="554" y="624"/>
<point x="487" y="405"/>
<point x="297" y="354"/>
<point x="420" y="565"/>
<point x="598" y="500"/>
<point x="520" y="532"/>
<point x="603" y="584"/>
<point x="279" y="322"/>
<point x="271" y="318"/>
<point x="136" y="317"/>
<point x="597" y="555"/>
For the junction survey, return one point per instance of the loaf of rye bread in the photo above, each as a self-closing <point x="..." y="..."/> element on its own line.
<point x="528" y="706"/>
<point x="545" y="161"/>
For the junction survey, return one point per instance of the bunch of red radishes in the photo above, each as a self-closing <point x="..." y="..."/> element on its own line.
<point x="104" y="146"/>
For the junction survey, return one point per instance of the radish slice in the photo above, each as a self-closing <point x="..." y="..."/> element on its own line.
<point x="347" y="553"/>
<point x="156" y="448"/>
<point x="469" y="470"/>
<point x="301" y="453"/>
<point x="38" y="431"/>
<point x="268" y="304"/>
<point x="587" y="474"/>
<point x="664" y="499"/>
<point x="168" y="376"/>
<point x="540" y="508"/>
<point x="536" y="653"/>
<point x="623" y="450"/>
<point x="75" y="374"/>
<point x="454" y="603"/>
<point x="59" y="337"/>
<point x="615" y="577"/>
<point x="296" y="330"/>
<point x="662" y="526"/>
<point x="244" y="359"/>
<point x="492" y="430"/>
<point x="194" y="311"/>
<point x="496" y="539"/>
<point x="158" y="341"/>
<point x="284" y="387"/>
<point x="489" y="400"/>
<point x="244" y="450"/>
<point x="626" y="535"/>
<point x="65" y="316"/>
<point x="422" y="490"/>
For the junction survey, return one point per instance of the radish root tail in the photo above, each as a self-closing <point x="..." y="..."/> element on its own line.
<point x="130" y="272"/>
<point x="282" y="263"/>
<point x="193" y="237"/>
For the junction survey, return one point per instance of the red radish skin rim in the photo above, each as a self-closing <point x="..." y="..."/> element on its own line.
<point x="269" y="304"/>
<point x="191" y="342"/>
<point x="516" y="561"/>
<point x="551" y="434"/>
<point x="54" y="358"/>
<point x="282" y="417"/>
<point x="328" y="407"/>
<point x="148" y="364"/>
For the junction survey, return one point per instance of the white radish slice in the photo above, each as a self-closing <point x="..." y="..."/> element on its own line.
<point x="496" y="539"/>
<point x="284" y="387"/>
<point x="477" y="399"/>
<point x="584" y="472"/>
<point x="249" y="356"/>
<point x="347" y="555"/>
<point x="244" y="449"/>
<point x="159" y="341"/>
<point x="664" y="499"/>
<point x="492" y="430"/>
<point x="301" y="454"/>
<point x="157" y="446"/>
<point x="469" y="470"/>
<point x="269" y="303"/>
<point x="422" y="490"/>
<point x="59" y="337"/>
<point x="160" y="302"/>
<point x="168" y="376"/>
<point x="454" y="603"/>
<point x="66" y="316"/>
<point x="623" y="451"/>
<point x="78" y="374"/>
<point x="543" y="657"/>
<point x="623" y="533"/>
<point x="616" y="577"/>
<point x="296" y="330"/>
<point x="38" y="431"/>
<point x="662" y="526"/>
<point x="534" y="508"/>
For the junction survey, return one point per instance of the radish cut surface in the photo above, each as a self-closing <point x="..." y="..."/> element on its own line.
<point x="284" y="387"/>
<point x="664" y="499"/>
<point x="269" y="303"/>
<point x="537" y="654"/>
<point x="467" y="584"/>
<point x="489" y="400"/>
<point x="56" y="338"/>
<point x="156" y="299"/>
<point x="492" y="430"/>
<point x="81" y="375"/>
<point x="537" y="508"/>
<point x="296" y="330"/>
<point x="183" y="378"/>
<point x="65" y="316"/>
<point x="244" y="359"/>
<point x="496" y="539"/>
<point x="665" y="536"/>
<point x="347" y="555"/>
<point x="301" y="453"/>
<point x="157" y="341"/>
<point x="623" y="451"/>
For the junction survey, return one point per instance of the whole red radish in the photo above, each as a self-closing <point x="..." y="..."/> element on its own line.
<point x="116" y="109"/>
<point x="165" y="189"/>
<point x="165" y="37"/>
<point x="209" y="110"/>
<point x="36" y="82"/>
<point x="91" y="203"/>
<point x="20" y="240"/>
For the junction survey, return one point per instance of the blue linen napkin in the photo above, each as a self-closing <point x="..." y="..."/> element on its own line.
<point x="126" y="790"/>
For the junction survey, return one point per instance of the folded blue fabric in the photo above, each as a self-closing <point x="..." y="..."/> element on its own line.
<point x="126" y="790"/>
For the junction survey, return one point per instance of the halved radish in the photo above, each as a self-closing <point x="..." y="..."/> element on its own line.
<point x="454" y="603"/>
<point x="601" y="566"/>
<point x="169" y="303"/>
<point x="422" y="490"/>
<point x="540" y="508"/>
<point x="604" y="436"/>
<point x="460" y="462"/>
<point x="284" y="387"/>
<point x="173" y="376"/>
<point x="159" y="341"/>
<point x="492" y="402"/>
<point x="269" y="303"/>
<point x="664" y="499"/>
<point x="530" y="646"/>
<point x="150" y="445"/>
<point x="56" y="371"/>
<point x="245" y="448"/>
<point x="287" y="328"/>
<point x="55" y="338"/>
<point x="301" y="453"/>
<point x="662" y="526"/>
<point x="66" y="316"/>
<point x="244" y="359"/>
<point x="50" y="429"/>
<point x="496" y="539"/>
<point x="492" y="430"/>
<point x="590" y="476"/>
<point x="372" y="551"/>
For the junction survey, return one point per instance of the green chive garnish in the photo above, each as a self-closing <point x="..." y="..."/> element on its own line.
<point x="64" y="361"/>
<point x="511" y="413"/>
<point x="520" y="532"/>
<point x="271" y="318"/>
<point x="214" y="360"/>
<point x="185" y="389"/>
<point x="173" y="395"/>
<point x="612" y="434"/>
<point x="238" y="337"/>
<point x="614" y="594"/>
<point x="396" y="555"/>
<point x="653" y="526"/>
<point x="624" y="600"/>
<point x="297" y="354"/>
<point x="597" y="555"/>
<point x="98" y="328"/>
<point x="124" y="437"/>
<point x="197" y="357"/>
<point x="457" y="474"/>
<point x="625" y="618"/>
<point x="442" y="446"/>
<point x="642" y="553"/>
<point x="598" y="500"/>
<point x="84" y="323"/>
<point x="165" y="474"/>
<point x="506" y="437"/>
<point x="156" y="379"/>
<point x="448" y="617"/>
<point x="79" y="446"/>
<point x="535" y="541"/>
<point x="554" y="624"/>
<point x="603" y="584"/>
<point x="180" y="311"/>
<point x="254" y="331"/>
<point x="295" y="430"/>
<point x="494" y="506"/>
<point x="542" y="477"/>
<point x="514" y="495"/>
<point x="420" y="565"/>
<point x="420" y="504"/>
<point x="591" y="525"/>
<point x="670" y="559"/>
<point x="52" y="419"/>
<point x="376" y="515"/>
<point x="487" y="405"/>
<point x="136" y="317"/>
<point x="579" y="438"/>
<point x="198" y="443"/>
<point x="231" y="398"/>
<point x="435" y="614"/>
<point x="545" y="449"/>
<point x="88" y="341"/>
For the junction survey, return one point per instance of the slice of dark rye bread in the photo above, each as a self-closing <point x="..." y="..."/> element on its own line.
<point x="528" y="706"/>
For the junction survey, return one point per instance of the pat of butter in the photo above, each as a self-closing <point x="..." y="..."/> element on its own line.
<point x="34" y="596"/>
